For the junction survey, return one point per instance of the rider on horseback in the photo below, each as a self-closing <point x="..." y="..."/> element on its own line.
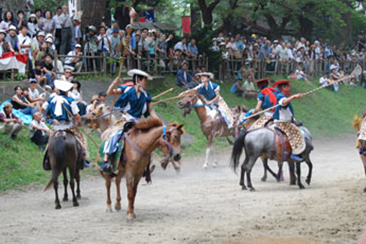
<point x="284" y="118"/>
<point x="59" y="109"/>
<point x="135" y="102"/>
<point x="211" y="93"/>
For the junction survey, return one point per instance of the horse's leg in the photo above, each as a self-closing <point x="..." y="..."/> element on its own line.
<point x="117" y="206"/>
<point x="215" y="164"/>
<point x="280" y="171"/>
<point x="72" y="172"/>
<point x="298" y="172"/>
<point x="65" y="186"/>
<point x="57" y="200"/>
<point x="242" y="175"/>
<point x="248" y="169"/>
<point x="265" y="166"/>
<point x="210" y="139"/>
<point x="291" y="169"/>
<point x="108" y="187"/>
<point x="77" y="178"/>
<point x="363" y="158"/>
<point x="310" y="165"/>
<point x="132" y="183"/>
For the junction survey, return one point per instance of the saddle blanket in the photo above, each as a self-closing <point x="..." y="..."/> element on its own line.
<point x="362" y="133"/>
<point x="294" y="135"/>
<point x="260" y="122"/>
<point x="114" y="158"/>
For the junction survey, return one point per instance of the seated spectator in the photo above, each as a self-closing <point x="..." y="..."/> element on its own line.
<point x="249" y="89"/>
<point x="9" y="123"/>
<point x="237" y="88"/>
<point x="6" y="47"/>
<point x="67" y="76"/>
<point x="184" y="78"/>
<point x="300" y="75"/>
<point x="323" y="81"/>
<point x="37" y="102"/>
<point x="38" y="131"/>
<point x="21" y="103"/>
<point x="12" y="38"/>
<point x="334" y="76"/>
<point x="74" y="63"/>
<point x="192" y="49"/>
<point x="38" y="74"/>
<point x="76" y="94"/>
<point x="48" y="70"/>
<point x="94" y="103"/>
<point x="37" y="44"/>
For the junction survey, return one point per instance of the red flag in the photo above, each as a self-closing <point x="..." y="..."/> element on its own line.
<point x="186" y="25"/>
<point x="142" y="19"/>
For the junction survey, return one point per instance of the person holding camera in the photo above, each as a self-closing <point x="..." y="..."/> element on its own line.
<point x="73" y="60"/>
<point x="90" y="47"/>
<point x="103" y="41"/>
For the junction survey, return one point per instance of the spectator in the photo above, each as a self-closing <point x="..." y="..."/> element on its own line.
<point x="10" y="124"/>
<point x="92" y="105"/>
<point x="184" y="77"/>
<point x="33" y="92"/>
<point x="56" y="19"/>
<point x="115" y="43"/>
<point x="323" y="81"/>
<point x="264" y="51"/>
<point x="151" y="46"/>
<point x="47" y="69"/>
<point x="102" y="96"/>
<point x="32" y="26"/>
<point x="5" y="46"/>
<point x="12" y="38"/>
<point x="335" y="76"/>
<point x="21" y="103"/>
<point x="103" y="41"/>
<point x="19" y="22"/>
<point x="29" y="4"/>
<point x="181" y="47"/>
<point x="170" y="45"/>
<point x="38" y="74"/>
<point x="36" y="102"/>
<point x="48" y="24"/>
<point x="239" y="45"/>
<point x="37" y="44"/>
<point x="24" y="40"/>
<point x="76" y="94"/>
<point x="67" y="76"/>
<point x="249" y="89"/>
<point x="299" y="73"/>
<point x="65" y="22"/>
<point x="237" y="87"/>
<point x="114" y="26"/>
<point x="143" y="46"/>
<point x="192" y="49"/>
<point x="233" y="50"/>
<point x="38" y="131"/>
<point x="74" y="63"/>
<point x="7" y="21"/>
<point x="39" y="17"/>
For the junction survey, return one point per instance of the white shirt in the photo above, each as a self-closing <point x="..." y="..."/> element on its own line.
<point x="323" y="81"/>
<point x="33" y="94"/>
<point x="24" y="40"/>
<point x="32" y="130"/>
<point x="103" y="44"/>
<point x="56" y="18"/>
<point x="285" y="113"/>
<point x="62" y="18"/>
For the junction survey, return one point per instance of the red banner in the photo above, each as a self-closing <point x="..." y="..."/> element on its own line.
<point x="186" y="25"/>
<point x="142" y="19"/>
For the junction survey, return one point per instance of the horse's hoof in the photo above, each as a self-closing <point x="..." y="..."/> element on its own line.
<point x="65" y="199"/>
<point x="244" y="188"/>
<point x="301" y="187"/>
<point x="292" y="183"/>
<point x="131" y="217"/>
<point x="214" y="165"/>
<point x="117" y="208"/>
<point x="252" y="189"/>
<point x="308" y="181"/>
<point x="76" y="204"/>
<point x="264" y="179"/>
<point x="78" y="196"/>
<point x="205" y="166"/>
<point x="58" y="206"/>
<point x="364" y="190"/>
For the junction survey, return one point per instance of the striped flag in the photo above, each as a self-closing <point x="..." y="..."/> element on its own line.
<point x="10" y="60"/>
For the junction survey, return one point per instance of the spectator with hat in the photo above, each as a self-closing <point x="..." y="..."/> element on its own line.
<point x="5" y="46"/>
<point x="74" y="60"/>
<point x="115" y="43"/>
<point x="184" y="78"/>
<point x="32" y="25"/>
<point x="37" y="44"/>
<point x="67" y="76"/>
<point x="10" y="124"/>
<point x="12" y="38"/>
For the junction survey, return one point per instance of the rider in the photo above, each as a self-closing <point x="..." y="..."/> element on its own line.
<point x="284" y="118"/>
<point x="211" y="92"/>
<point x="60" y="107"/>
<point x="134" y="102"/>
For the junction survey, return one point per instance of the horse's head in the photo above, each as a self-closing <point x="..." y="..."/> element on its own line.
<point x="94" y="118"/>
<point x="170" y="145"/>
<point x="187" y="101"/>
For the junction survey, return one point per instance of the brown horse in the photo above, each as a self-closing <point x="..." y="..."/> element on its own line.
<point x="64" y="153"/>
<point x="212" y="124"/>
<point x="140" y="142"/>
<point x="99" y="119"/>
<point x="361" y="144"/>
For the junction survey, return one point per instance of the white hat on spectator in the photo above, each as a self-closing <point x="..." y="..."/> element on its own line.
<point x="41" y="33"/>
<point x="256" y="45"/>
<point x="133" y="72"/>
<point x="32" y="80"/>
<point x="32" y="16"/>
<point x="316" y="42"/>
<point x="49" y="35"/>
<point x="62" y="85"/>
<point x="209" y="74"/>
<point x="222" y="44"/>
<point x="77" y="45"/>
<point x="3" y="32"/>
<point x="275" y="41"/>
<point x="128" y="26"/>
<point x="49" y="40"/>
<point x="12" y="27"/>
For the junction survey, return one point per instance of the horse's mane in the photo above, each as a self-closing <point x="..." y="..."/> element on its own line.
<point x="147" y="124"/>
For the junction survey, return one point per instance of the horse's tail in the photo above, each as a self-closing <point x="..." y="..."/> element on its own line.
<point x="59" y="152"/>
<point x="237" y="150"/>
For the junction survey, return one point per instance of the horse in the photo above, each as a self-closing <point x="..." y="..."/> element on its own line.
<point x="140" y="141"/>
<point x="212" y="125"/>
<point x="262" y="142"/>
<point x="64" y="153"/>
<point x="99" y="119"/>
<point x="361" y="144"/>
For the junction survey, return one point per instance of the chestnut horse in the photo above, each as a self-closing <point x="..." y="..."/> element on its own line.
<point x="99" y="119"/>
<point x="65" y="153"/>
<point x="212" y="125"/>
<point x="140" y="141"/>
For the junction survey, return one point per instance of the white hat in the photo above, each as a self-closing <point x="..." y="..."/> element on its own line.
<point x="3" y="31"/>
<point x="222" y="44"/>
<point x="49" y="40"/>
<point x="49" y="35"/>
<point x="41" y="33"/>
<point x="275" y="41"/>
<point x="32" y="16"/>
<point x="209" y="74"/>
<point x="62" y="85"/>
<point x="12" y="27"/>
<point x="77" y="45"/>
<point x="133" y="72"/>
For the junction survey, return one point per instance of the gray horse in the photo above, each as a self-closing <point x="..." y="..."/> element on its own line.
<point x="261" y="143"/>
<point x="64" y="153"/>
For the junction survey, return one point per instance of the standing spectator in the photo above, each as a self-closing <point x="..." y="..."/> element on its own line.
<point x="12" y="38"/>
<point x="151" y="46"/>
<point x="192" y="49"/>
<point x="58" y="26"/>
<point x="9" y="123"/>
<point x="19" y="22"/>
<point x="32" y="25"/>
<point x="39" y="17"/>
<point x="232" y="49"/>
<point x="37" y="44"/>
<point x="182" y="47"/>
<point x="184" y="77"/>
<point x="239" y="46"/>
<point x="38" y="131"/>
<point x="74" y="62"/>
<point x="264" y="51"/>
<point x="170" y="45"/>
<point x="47" y="25"/>
<point x="103" y="41"/>
<point x="76" y="32"/>
<point x="283" y="53"/>
<point x="142" y="46"/>
<point x="114" y="26"/>
<point x="21" y="103"/>
<point x="65" y="22"/>
<point x="115" y="43"/>
<point x="7" y="21"/>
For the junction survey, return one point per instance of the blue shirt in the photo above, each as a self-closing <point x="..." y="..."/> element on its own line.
<point x="69" y="104"/>
<point x="234" y="89"/>
<point x="210" y="92"/>
<point x="239" y="45"/>
<point x="183" y="75"/>
<point x="266" y="102"/>
<point x="133" y="105"/>
<point x="193" y="49"/>
<point x="283" y="113"/>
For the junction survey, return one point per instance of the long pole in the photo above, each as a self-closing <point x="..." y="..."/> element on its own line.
<point x="163" y="93"/>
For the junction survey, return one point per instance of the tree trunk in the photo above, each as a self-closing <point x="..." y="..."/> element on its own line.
<point x="12" y="5"/>
<point x="93" y="12"/>
<point x="195" y="19"/>
<point x="121" y="14"/>
<point x="306" y="27"/>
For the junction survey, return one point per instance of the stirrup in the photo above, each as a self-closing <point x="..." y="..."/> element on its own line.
<point x="296" y="157"/>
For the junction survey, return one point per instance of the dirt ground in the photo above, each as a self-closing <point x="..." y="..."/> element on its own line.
<point x="205" y="206"/>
